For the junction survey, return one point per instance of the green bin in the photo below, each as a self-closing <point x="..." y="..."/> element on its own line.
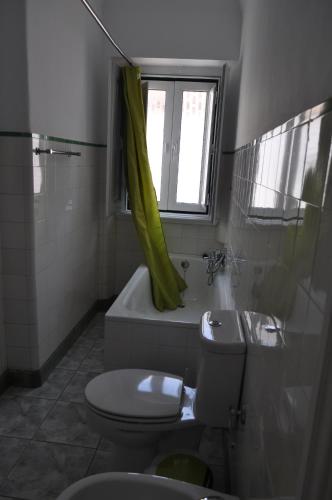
<point x="184" y="467"/>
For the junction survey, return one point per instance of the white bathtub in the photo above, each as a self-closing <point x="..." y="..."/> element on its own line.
<point x="139" y="336"/>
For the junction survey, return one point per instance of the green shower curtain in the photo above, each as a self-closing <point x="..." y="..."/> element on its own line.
<point x="166" y="283"/>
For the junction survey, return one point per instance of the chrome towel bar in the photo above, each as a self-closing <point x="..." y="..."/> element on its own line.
<point x="51" y="151"/>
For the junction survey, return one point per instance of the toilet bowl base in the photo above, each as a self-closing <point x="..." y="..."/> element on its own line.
<point x="122" y="437"/>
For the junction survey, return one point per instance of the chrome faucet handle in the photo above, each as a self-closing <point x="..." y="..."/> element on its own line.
<point x="215" y="254"/>
<point x="218" y="254"/>
<point x="212" y="254"/>
<point x="210" y="497"/>
<point x="209" y="257"/>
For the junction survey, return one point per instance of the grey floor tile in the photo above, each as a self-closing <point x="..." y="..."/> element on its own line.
<point x="110" y="459"/>
<point x="106" y="445"/>
<point x="21" y="417"/>
<point x="66" y="423"/>
<point x="84" y="342"/>
<point x="186" y="439"/>
<point x="99" y="344"/>
<point x="94" y="361"/>
<point x="74" y="391"/>
<point x="51" y="388"/>
<point x="11" y="450"/>
<point x="45" y="469"/>
<point x="74" y="357"/>
<point x="105" y="461"/>
<point x="94" y="333"/>
<point x="97" y="320"/>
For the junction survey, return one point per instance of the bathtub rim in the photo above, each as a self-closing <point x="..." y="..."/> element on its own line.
<point x="119" y="313"/>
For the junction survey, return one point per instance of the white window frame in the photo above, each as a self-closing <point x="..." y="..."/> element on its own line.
<point x="120" y="205"/>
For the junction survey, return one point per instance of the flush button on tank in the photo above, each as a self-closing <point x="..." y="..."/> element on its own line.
<point x="214" y="322"/>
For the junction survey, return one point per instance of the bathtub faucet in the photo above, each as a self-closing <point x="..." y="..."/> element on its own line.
<point x="216" y="259"/>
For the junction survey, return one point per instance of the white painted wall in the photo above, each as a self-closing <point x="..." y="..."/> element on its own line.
<point x="286" y="62"/>
<point x="55" y="60"/>
<point x="14" y="106"/>
<point x="186" y="29"/>
<point x="67" y="70"/>
<point x="54" y="77"/>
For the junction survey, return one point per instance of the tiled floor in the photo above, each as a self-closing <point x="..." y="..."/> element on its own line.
<point x="45" y="444"/>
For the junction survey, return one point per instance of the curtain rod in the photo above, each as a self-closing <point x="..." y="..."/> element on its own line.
<point x="98" y="21"/>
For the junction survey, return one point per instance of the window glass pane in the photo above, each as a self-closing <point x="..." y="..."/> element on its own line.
<point x="155" y="134"/>
<point x="191" y="147"/>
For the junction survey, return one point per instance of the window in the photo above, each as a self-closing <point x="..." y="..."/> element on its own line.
<point x="181" y="142"/>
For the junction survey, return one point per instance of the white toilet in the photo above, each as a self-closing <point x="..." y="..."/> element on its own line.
<point x="132" y="407"/>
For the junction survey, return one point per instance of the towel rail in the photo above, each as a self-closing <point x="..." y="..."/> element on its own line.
<point x="51" y="151"/>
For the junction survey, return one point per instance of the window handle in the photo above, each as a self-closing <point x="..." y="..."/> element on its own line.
<point x="173" y="151"/>
<point x="175" y="148"/>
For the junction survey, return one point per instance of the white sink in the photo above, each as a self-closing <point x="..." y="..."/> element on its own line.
<point x="130" y="486"/>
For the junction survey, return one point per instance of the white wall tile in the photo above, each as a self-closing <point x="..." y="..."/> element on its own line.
<point x="49" y="210"/>
<point x="13" y="235"/>
<point x="15" y="151"/>
<point x="286" y="251"/>
<point x="3" y="353"/>
<point x="19" y="311"/>
<point x="11" y="180"/>
<point x="16" y="261"/>
<point x="21" y="335"/>
<point x="12" y="208"/>
<point x="21" y="358"/>
<point x="18" y="287"/>
<point x="192" y="239"/>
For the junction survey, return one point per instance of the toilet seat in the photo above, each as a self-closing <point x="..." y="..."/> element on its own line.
<point x="136" y="396"/>
<point x="121" y="419"/>
<point x="134" y="431"/>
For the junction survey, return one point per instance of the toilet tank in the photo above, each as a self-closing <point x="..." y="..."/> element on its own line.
<point x="221" y="370"/>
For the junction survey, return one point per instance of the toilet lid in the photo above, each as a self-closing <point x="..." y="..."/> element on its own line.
<point x="136" y="393"/>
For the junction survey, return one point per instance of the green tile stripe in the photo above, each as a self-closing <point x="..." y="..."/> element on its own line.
<point x="50" y="138"/>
